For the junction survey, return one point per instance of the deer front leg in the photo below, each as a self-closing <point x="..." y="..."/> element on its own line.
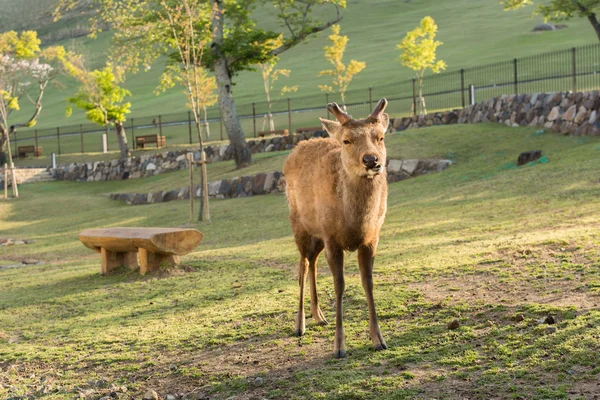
<point x="335" y="259"/>
<point x="316" y="248"/>
<point x="365" y="263"/>
<point x="301" y="318"/>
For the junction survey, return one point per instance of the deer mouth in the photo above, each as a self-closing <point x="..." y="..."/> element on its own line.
<point x="376" y="170"/>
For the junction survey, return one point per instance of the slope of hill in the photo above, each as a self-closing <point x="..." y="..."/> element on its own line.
<point x="473" y="33"/>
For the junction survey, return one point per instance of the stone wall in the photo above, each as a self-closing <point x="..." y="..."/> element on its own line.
<point x="154" y="164"/>
<point x="567" y="113"/>
<point x="273" y="182"/>
<point x="27" y="175"/>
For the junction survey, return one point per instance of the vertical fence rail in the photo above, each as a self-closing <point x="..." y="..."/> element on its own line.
<point x="574" y="67"/>
<point x="516" y="76"/>
<point x="58" y="138"/>
<point x="81" y="138"/>
<point x="35" y="153"/>
<point x="289" y="104"/>
<point x="133" y="143"/>
<point x="190" y="125"/>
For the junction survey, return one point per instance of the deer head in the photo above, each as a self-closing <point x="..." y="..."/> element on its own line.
<point x="362" y="140"/>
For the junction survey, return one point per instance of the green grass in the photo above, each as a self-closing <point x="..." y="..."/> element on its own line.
<point x="474" y="33"/>
<point x="480" y="242"/>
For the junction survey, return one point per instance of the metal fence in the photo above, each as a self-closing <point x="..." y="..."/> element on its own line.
<point x="564" y="70"/>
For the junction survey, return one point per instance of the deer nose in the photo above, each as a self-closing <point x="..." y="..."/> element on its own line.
<point x="370" y="161"/>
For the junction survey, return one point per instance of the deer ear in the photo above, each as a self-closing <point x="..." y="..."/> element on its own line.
<point x="384" y="120"/>
<point x="332" y="127"/>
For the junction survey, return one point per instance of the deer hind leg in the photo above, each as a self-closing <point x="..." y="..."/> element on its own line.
<point x="303" y="242"/>
<point x="316" y="248"/>
<point x="335" y="259"/>
<point x="365" y="263"/>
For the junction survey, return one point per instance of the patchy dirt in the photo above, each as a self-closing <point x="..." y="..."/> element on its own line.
<point x="547" y="274"/>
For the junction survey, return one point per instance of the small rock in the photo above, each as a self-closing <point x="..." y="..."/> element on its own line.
<point x="519" y="318"/>
<point x="170" y="397"/>
<point x="150" y="395"/>
<point x="550" y="329"/>
<point x="258" y="381"/>
<point x="550" y="320"/>
<point x="30" y="262"/>
<point x="453" y="325"/>
<point x="529" y="156"/>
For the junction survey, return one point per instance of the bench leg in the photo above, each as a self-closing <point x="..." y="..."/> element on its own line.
<point x="151" y="261"/>
<point x="112" y="260"/>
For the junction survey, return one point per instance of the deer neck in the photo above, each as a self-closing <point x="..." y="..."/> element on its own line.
<point x="362" y="197"/>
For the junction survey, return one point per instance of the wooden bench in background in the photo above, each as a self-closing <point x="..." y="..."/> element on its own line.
<point x="283" y="132"/>
<point x="24" y="150"/>
<point x="142" y="141"/>
<point x="155" y="246"/>
<point x="309" y="129"/>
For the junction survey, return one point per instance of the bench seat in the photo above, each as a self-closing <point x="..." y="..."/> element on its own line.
<point x="155" y="246"/>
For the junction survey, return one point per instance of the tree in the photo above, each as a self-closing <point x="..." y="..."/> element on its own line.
<point x="188" y="22"/>
<point x="341" y="75"/>
<point x="23" y="74"/>
<point x="100" y="96"/>
<point x="270" y="75"/>
<point x="419" y="53"/>
<point x="236" y="44"/>
<point x="561" y="10"/>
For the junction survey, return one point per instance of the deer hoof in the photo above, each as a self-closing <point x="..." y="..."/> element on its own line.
<point x="322" y="322"/>
<point x="339" y="353"/>
<point x="380" y="346"/>
<point x="299" y="332"/>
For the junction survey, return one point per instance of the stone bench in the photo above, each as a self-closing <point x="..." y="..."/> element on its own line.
<point x="155" y="246"/>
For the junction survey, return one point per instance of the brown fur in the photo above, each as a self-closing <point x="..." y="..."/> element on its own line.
<point x="337" y="203"/>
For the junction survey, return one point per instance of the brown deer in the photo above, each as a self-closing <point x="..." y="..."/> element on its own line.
<point x="337" y="194"/>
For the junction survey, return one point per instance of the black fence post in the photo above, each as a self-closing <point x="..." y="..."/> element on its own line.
<point x="106" y="133"/>
<point x="574" y="60"/>
<point x="516" y="76"/>
<point x="35" y="153"/>
<point x="133" y="143"/>
<point x="327" y="102"/>
<point x="190" y="125"/>
<point x="15" y="144"/>
<point x="370" y="99"/>
<point x="462" y="88"/>
<point x="58" y="138"/>
<point x="160" y="125"/>
<point x="81" y="137"/>
<point x="414" y="96"/>
<point x="254" y="118"/>
<point x="289" y="116"/>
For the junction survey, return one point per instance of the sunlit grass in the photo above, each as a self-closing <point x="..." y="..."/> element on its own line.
<point x="480" y="242"/>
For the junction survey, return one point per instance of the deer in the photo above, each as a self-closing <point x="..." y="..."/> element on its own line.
<point x="337" y="196"/>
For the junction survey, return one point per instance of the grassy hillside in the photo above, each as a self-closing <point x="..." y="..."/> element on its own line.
<point x="473" y="33"/>
<point x="495" y="247"/>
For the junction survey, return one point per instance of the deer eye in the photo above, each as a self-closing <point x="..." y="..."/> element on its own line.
<point x="346" y="142"/>
<point x="381" y="139"/>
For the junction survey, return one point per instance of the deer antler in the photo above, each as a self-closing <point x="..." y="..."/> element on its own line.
<point x="379" y="109"/>
<point x="338" y="113"/>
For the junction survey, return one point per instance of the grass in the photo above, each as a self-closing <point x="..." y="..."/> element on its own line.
<point x="374" y="28"/>
<point x="481" y="242"/>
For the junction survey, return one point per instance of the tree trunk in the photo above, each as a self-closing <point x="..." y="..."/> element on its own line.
<point x="233" y="127"/>
<point x="122" y="137"/>
<point x="595" y="24"/>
